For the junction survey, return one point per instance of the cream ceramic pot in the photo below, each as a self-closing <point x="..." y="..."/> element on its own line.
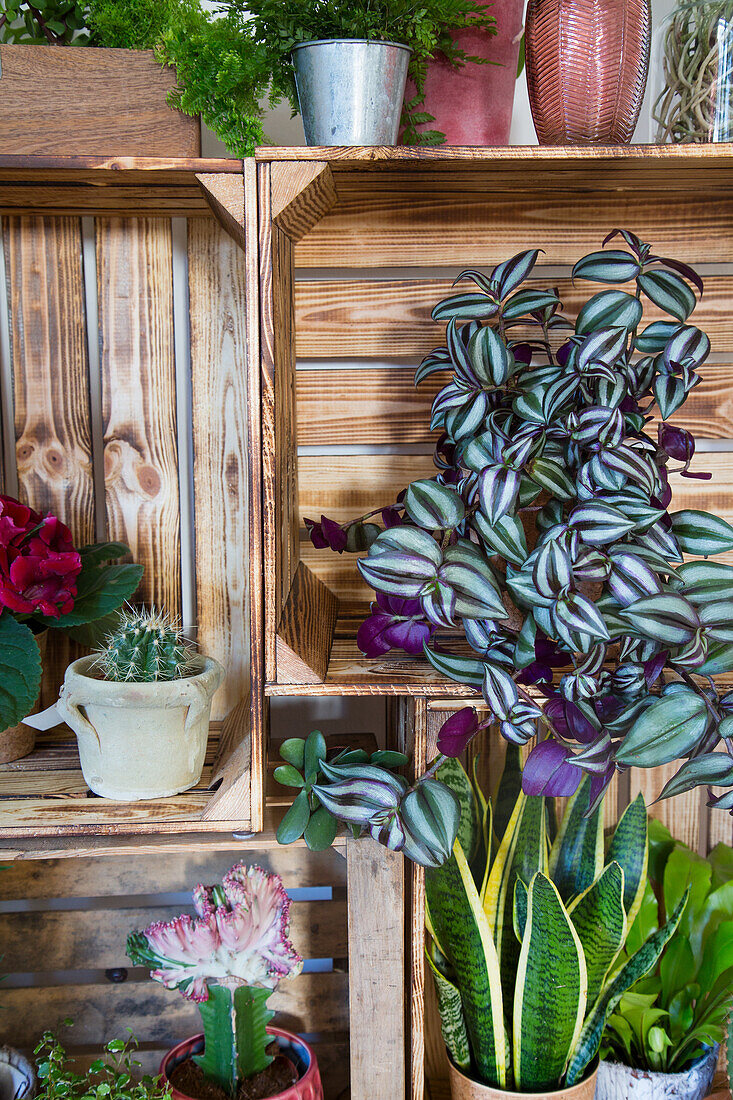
<point x="464" y="1088"/>
<point x="139" y="740"/>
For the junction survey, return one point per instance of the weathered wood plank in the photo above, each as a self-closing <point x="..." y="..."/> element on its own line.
<point x="375" y="884"/>
<point x="134" y="275"/>
<point x="301" y="195"/>
<point x="77" y="938"/>
<point x="120" y="877"/>
<point x="305" y="632"/>
<point x="105" y="102"/>
<point x="217" y="294"/>
<point x="380" y="405"/>
<point x="225" y="196"/>
<point x="312" y="1002"/>
<point x="352" y="318"/>
<point x="682" y="814"/>
<point x="417" y="226"/>
<point x="51" y="384"/>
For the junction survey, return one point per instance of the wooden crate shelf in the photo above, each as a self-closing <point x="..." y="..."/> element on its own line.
<point x="124" y="412"/>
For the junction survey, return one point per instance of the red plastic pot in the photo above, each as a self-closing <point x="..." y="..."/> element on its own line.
<point x="307" y="1087"/>
<point x="473" y="105"/>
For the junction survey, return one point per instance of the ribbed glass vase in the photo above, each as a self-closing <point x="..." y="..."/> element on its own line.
<point x="587" y="65"/>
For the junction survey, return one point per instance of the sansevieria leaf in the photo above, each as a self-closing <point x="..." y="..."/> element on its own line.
<point x="644" y="960"/>
<point x="629" y="848"/>
<point x="600" y="920"/>
<point x="576" y="856"/>
<point x="470" y="827"/>
<point x="463" y="931"/>
<point x="551" y="991"/>
<point x="452" y="1022"/>
<point x="522" y="853"/>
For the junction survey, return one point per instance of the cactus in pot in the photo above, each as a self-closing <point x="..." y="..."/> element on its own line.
<point x="144" y="697"/>
<point x="146" y="646"/>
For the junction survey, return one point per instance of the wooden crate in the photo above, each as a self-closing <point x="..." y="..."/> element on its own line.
<point x="355" y="248"/>
<point x="90" y="102"/>
<point x="122" y="370"/>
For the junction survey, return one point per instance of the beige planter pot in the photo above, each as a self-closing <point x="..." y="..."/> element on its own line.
<point x="463" y="1088"/>
<point x="139" y="740"/>
<point x="18" y="741"/>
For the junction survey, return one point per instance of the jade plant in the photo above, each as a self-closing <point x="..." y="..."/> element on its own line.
<point x="526" y="928"/>
<point x="667" y="1019"/>
<point x="145" y="646"/>
<point x="227" y="959"/>
<point x="546" y="538"/>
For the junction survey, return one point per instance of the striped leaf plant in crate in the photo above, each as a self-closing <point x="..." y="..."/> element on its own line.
<point x="593" y="619"/>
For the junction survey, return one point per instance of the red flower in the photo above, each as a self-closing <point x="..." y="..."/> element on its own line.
<point x="38" y="562"/>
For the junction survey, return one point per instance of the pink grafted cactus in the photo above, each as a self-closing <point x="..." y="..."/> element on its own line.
<point x="228" y="958"/>
<point x="239" y="938"/>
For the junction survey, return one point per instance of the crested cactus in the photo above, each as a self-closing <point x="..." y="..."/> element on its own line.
<point x="147" y="646"/>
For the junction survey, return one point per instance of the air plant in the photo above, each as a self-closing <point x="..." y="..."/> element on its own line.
<point x="545" y="535"/>
<point x="228" y="959"/>
<point x="695" y="102"/>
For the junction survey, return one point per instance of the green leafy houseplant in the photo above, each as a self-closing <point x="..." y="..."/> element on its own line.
<point x="227" y="959"/>
<point x="525" y="932"/>
<point x="545" y="537"/>
<point x="664" y="1022"/>
<point x="43" y="22"/>
<point x="365" y="792"/>
<point x="112" y="1077"/>
<point x="46" y="583"/>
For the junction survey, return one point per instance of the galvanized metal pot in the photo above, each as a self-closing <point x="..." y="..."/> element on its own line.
<point x="351" y="91"/>
<point x="618" y="1082"/>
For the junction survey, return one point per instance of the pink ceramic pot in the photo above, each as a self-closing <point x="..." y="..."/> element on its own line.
<point x="473" y="105"/>
<point x="307" y="1087"/>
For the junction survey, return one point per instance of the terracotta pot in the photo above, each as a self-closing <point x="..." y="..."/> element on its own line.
<point x="473" y="105"/>
<point x="463" y="1088"/>
<point x="618" y="1082"/>
<point x="587" y="65"/>
<point x="17" y="741"/>
<point x="296" y="1050"/>
<point x="163" y="726"/>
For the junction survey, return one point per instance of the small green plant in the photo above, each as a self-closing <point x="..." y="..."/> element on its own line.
<point x="664" y="1022"/>
<point x="111" y="1077"/>
<point x="132" y="24"/>
<point x="43" y="22"/>
<point x="146" y="646"/>
<point x="525" y="931"/>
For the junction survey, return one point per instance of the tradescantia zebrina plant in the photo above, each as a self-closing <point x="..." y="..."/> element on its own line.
<point x="525" y="933"/>
<point x="545" y="536"/>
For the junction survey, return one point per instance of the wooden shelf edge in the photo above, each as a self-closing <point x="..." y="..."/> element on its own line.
<point x="360" y="155"/>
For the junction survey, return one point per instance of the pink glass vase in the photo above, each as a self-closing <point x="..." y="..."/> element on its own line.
<point x="587" y="65"/>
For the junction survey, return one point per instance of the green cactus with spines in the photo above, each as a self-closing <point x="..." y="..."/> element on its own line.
<point x="146" y="647"/>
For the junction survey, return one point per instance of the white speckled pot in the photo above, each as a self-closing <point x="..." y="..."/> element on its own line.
<point x="17" y="1076"/>
<point x="617" y="1082"/>
<point x="140" y="740"/>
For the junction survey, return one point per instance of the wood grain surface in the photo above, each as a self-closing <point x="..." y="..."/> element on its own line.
<point x="101" y="102"/>
<point x="44" y="278"/>
<point x="134" y="276"/>
<point x="413" y="226"/>
<point x="217" y="296"/>
<point x="305" y="631"/>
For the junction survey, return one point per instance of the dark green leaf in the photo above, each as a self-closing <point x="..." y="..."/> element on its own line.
<point x="668" y="729"/>
<point x="293" y="824"/>
<point x="20" y="671"/>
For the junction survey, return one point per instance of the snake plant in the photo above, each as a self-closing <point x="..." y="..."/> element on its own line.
<point x="526" y="930"/>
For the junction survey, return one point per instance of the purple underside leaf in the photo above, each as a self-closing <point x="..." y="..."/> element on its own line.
<point x="548" y="771"/>
<point x="394" y="624"/>
<point x="457" y="731"/>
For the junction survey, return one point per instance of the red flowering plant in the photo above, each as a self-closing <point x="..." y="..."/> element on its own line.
<point x="45" y="581"/>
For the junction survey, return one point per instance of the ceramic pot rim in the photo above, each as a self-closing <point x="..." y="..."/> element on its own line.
<point x="208" y="675"/>
<point x="592" y="1071"/>
<point x="310" y="1074"/>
